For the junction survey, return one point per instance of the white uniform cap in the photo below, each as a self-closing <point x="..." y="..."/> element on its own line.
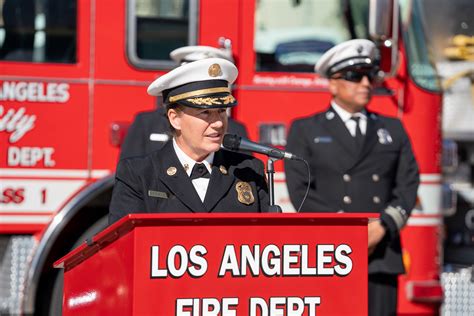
<point x="193" y="53"/>
<point x="200" y="84"/>
<point x="350" y="54"/>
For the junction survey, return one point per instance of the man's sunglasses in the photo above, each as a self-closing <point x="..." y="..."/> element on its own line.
<point x="357" y="76"/>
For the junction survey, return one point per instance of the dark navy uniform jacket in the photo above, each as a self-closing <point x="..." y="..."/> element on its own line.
<point x="158" y="183"/>
<point x="382" y="174"/>
<point x="146" y="125"/>
<point x="150" y="131"/>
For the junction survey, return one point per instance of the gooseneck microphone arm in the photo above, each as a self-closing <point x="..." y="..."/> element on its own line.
<point x="272" y="207"/>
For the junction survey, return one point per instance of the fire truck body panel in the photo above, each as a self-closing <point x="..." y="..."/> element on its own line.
<point x="42" y="176"/>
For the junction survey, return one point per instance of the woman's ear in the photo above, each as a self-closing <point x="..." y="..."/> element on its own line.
<point x="174" y="117"/>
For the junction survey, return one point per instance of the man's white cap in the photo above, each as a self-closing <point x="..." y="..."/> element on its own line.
<point x="350" y="54"/>
<point x="200" y="84"/>
<point x="192" y="53"/>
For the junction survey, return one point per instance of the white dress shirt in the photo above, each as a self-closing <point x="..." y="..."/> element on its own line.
<point x="351" y="124"/>
<point x="188" y="163"/>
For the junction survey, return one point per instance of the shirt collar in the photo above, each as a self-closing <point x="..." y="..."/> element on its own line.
<point x="345" y="115"/>
<point x="188" y="163"/>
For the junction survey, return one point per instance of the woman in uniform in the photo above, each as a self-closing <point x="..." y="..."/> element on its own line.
<point x="192" y="174"/>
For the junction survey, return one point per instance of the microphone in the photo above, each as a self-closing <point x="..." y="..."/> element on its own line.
<point x="241" y="144"/>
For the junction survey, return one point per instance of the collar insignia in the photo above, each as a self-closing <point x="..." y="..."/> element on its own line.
<point x="171" y="171"/>
<point x="223" y="169"/>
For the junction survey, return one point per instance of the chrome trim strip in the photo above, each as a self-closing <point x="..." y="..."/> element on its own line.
<point x="375" y="92"/>
<point x="44" y="79"/>
<point x="53" y="173"/>
<point x="277" y="88"/>
<point x="99" y="81"/>
<point x="91" y="85"/>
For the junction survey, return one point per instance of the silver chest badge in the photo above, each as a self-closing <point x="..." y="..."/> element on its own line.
<point x="384" y="136"/>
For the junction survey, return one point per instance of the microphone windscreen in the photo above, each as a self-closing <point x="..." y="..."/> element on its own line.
<point x="231" y="142"/>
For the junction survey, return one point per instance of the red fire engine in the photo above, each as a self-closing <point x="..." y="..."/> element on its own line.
<point x="74" y="72"/>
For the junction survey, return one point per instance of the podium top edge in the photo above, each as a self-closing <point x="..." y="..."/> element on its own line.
<point x="229" y="219"/>
<point x="131" y="221"/>
<point x="247" y="216"/>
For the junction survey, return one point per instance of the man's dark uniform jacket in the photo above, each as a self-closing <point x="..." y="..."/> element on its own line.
<point x="380" y="177"/>
<point x="150" y="131"/>
<point x="158" y="183"/>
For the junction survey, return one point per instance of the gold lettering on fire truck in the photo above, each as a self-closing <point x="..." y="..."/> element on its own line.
<point x="34" y="92"/>
<point x="30" y="156"/>
<point x="16" y="122"/>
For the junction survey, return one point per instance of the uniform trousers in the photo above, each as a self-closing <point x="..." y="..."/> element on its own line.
<point x="383" y="294"/>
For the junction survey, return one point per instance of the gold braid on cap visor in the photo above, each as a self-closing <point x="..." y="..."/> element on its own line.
<point x="190" y="94"/>
<point x="212" y="100"/>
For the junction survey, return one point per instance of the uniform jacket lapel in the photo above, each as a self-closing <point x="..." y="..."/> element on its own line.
<point x="370" y="139"/>
<point x="179" y="183"/>
<point x="220" y="181"/>
<point x="336" y="127"/>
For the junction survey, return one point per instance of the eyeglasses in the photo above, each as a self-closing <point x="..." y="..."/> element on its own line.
<point x="357" y="76"/>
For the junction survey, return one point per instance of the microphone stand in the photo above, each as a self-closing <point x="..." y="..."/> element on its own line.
<point x="272" y="208"/>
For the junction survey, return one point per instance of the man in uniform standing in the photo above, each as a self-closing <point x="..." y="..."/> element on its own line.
<point x="360" y="162"/>
<point x="150" y="130"/>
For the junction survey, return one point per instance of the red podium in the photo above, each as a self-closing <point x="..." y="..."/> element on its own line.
<point x="221" y="264"/>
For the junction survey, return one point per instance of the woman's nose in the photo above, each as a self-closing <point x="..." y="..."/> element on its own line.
<point x="217" y="120"/>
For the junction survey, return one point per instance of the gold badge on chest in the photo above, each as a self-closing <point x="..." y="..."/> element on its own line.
<point x="244" y="193"/>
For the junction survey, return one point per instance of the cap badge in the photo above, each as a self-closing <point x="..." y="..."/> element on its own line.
<point x="215" y="70"/>
<point x="171" y="171"/>
<point x="384" y="136"/>
<point x="244" y="193"/>
<point x="223" y="169"/>
<point x="360" y="49"/>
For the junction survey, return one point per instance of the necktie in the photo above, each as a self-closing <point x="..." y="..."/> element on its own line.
<point x="199" y="171"/>
<point x="359" y="138"/>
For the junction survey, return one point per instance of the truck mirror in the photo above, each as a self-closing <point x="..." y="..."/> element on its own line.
<point x="380" y="19"/>
<point x="383" y="30"/>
